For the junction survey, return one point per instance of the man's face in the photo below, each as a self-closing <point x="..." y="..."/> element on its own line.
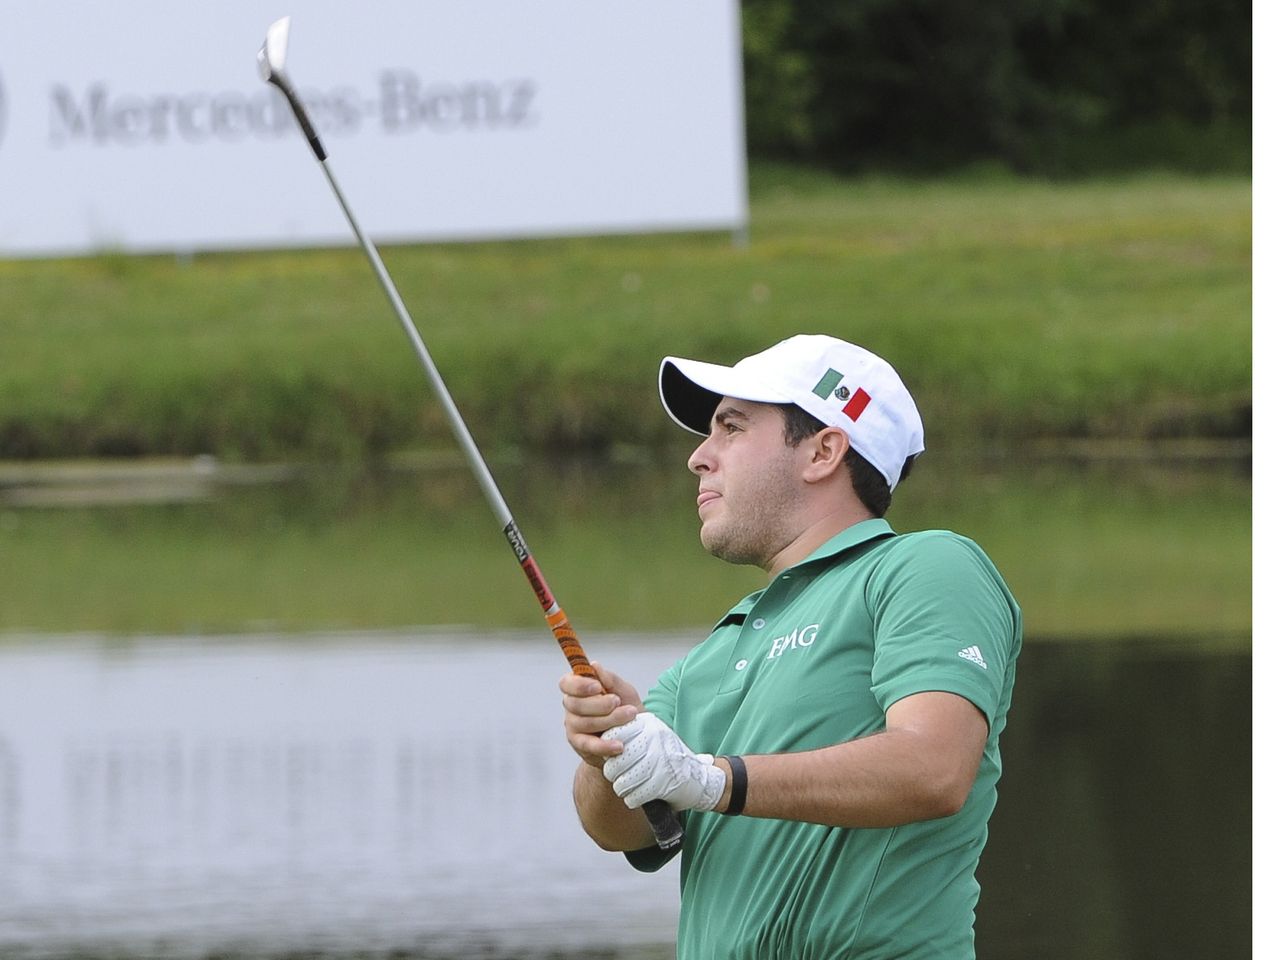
<point x="748" y="483"/>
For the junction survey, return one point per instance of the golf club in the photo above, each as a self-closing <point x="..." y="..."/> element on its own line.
<point x="666" y="827"/>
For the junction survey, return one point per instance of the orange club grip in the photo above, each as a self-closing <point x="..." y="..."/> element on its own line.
<point x="569" y="645"/>
<point x="555" y="617"/>
<point x="668" y="832"/>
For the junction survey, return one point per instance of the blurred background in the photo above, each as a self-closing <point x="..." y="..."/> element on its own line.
<point x="270" y="684"/>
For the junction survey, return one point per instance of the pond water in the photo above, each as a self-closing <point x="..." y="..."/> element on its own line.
<point x="219" y="740"/>
<point x="405" y="794"/>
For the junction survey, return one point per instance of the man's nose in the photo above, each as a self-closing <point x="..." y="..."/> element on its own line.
<point x="700" y="459"/>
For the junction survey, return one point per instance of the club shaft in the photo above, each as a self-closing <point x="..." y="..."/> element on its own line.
<point x="474" y="458"/>
<point x="556" y="618"/>
<point x="667" y="830"/>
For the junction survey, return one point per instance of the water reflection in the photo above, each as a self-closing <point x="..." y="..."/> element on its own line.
<point x="407" y="795"/>
<point x="619" y="543"/>
<point x="338" y="794"/>
<point x="1124" y="822"/>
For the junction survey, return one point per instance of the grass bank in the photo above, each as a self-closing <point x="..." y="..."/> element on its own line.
<point x="1013" y="308"/>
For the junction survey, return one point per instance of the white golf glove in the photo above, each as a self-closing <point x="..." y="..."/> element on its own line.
<point x="657" y="765"/>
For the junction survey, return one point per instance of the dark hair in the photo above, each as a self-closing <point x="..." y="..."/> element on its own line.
<point x="868" y="482"/>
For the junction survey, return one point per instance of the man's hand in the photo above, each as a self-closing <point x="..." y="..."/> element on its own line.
<point x="590" y="709"/>
<point x="655" y="764"/>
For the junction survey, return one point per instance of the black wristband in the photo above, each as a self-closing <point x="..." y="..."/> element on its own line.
<point x="738" y="791"/>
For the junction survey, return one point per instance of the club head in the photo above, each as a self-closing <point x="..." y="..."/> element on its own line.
<point x="271" y="56"/>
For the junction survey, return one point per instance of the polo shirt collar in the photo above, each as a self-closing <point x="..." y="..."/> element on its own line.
<point x="846" y="539"/>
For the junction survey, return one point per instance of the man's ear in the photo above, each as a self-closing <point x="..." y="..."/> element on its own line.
<point x="826" y="449"/>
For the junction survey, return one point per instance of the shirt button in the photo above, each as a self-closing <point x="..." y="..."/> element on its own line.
<point x="740" y="665"/>
<point x="758" y="623"/>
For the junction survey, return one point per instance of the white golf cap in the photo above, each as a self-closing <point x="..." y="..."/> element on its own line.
<point x="840" y="383"/>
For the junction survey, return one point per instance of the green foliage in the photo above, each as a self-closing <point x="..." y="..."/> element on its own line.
<point x="1050" y="86"/>
<point x="778" y="79"/>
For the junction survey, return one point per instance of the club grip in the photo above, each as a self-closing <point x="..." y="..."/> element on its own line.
<point x="667" y="831"/>
<point x="665" y="824"/>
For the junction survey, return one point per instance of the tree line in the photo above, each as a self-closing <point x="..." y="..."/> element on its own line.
<point x="1054" y="87"/>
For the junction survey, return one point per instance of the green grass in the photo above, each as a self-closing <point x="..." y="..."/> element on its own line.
<point x="1013" y="308"/>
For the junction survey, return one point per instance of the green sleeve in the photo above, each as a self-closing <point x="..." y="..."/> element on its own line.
<point x="661" y="698"/>
<point x="943" y="620"/>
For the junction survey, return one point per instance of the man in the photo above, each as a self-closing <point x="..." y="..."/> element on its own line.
<point x="833" y="744"/>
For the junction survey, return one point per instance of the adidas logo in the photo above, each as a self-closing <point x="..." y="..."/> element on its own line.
<point x="974" y="655"/>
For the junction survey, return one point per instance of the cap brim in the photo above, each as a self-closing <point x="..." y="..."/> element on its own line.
<point x="692" y="389"/>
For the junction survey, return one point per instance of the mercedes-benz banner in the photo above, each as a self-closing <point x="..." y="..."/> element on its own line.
<point x="143" y="125"/>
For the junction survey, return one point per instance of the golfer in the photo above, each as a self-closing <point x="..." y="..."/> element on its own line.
<point x="833" y="745"/>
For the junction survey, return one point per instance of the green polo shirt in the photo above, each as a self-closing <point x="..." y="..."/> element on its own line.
<point x="814" y="659"/>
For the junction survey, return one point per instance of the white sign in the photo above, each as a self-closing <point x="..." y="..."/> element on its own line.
<point x="143" y="125"/>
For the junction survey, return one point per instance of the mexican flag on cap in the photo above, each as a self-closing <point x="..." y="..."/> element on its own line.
<point x="830" y="383"/>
